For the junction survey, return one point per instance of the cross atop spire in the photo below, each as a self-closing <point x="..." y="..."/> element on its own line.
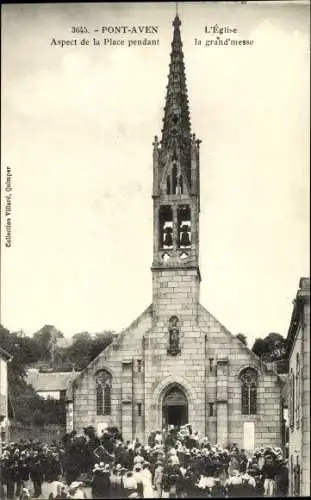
<point x="177" y="23"/>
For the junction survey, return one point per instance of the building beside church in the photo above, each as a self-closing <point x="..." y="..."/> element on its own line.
<point x="298" y="349"/>
<point x="50" y="385"/>
<point x="176" y="363"/>
<point x="5" y="357"/>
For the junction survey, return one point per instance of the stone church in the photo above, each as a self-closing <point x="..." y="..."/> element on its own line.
<point x="176" y="363"/>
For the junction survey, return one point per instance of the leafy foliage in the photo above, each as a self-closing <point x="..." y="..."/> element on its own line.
<point x="45" y="338"/>
<point x="242" y="338"/>
<point x="271" y="348"/>
<point x="85" y="348"/>
<point x="24" y="351"/>
<point x="25" y="405"/>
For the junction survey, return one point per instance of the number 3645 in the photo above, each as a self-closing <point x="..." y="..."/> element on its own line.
<point x="79" y="29"/>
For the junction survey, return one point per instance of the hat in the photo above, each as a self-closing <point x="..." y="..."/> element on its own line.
<point x="118" y="467"/>
<point x="75" y="485"/>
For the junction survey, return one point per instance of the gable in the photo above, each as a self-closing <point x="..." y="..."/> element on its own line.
<point x="209" y="322"/>
<point x="134" y="332"/>
<point x="174" y="179"/>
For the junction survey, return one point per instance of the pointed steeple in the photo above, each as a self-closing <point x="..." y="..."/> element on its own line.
<point x="176" y="132"/>
<point x="176" y="194"/>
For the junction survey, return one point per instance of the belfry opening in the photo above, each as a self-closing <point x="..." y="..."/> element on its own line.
<point x="175" y="407"/>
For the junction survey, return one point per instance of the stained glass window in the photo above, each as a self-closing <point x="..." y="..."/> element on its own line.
<point x="103" y="393"/>
<point x="99" y="400"/>
<point x="249" y="391"/>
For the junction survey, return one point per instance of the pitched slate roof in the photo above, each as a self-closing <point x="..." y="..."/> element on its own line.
<point x="53" y="381"/>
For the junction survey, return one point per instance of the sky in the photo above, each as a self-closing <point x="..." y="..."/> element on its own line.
<point x="78" y="124"/>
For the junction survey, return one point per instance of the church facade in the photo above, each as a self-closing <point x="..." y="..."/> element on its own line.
<point x="176" y="363"/>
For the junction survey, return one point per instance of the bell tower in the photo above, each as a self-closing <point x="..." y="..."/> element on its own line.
<point x="176" y="194"/>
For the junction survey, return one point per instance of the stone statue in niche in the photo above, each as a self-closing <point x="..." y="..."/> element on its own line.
<point x="173" y="330"/>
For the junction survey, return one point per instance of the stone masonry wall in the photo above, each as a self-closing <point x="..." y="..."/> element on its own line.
<point x="295" y="431"/>
<point x="175" y="292"/>
<point x="299" y="432"/>
<point x="305" y="410"/>
<point x="128" y="347"/>
<point x="142" y="371"/>
<point x="267" y="422"/>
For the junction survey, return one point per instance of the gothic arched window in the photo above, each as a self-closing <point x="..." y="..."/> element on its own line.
<point x="249" y="391"/>
<point x="174" y="179"/>
<point x="297" y="391"/>
<point x="181" y="184"/>
<point x="103" y="393"/>
<point x="184" y="226"/>
<point x="166" y="226"/>
<point x="168" y="184"/>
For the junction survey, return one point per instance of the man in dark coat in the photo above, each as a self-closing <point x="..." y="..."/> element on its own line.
<point x="218" y="490"/>
<point x="36" y="472"/>
<point x="101" y="481"/>
<point x="282" y="479"/>
<point x="169" y="441"/>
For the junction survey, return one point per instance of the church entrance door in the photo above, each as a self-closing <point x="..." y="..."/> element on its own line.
<point x="175" y="407"/>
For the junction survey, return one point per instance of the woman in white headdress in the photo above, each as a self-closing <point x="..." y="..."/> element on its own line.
<point x="76" y="491"/>
<point x="148" y="491"/>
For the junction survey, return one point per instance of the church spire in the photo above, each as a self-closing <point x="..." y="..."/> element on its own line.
<point x="176" y="191"/>
<point x="176" y="132"/>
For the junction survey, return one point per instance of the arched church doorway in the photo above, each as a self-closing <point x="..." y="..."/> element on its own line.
<point x="175" y="407"/>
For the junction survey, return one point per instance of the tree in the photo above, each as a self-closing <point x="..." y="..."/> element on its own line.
<point x="85" y="348"/>
<point x="99" y="343"/>
<point x="271" y="348"/>
<point x="23" y="351"/>
<point x="45" y="338"/>
<point x="82" y="337"/>
<point x="38" y="418"/>
<point x="25" y="405"/>
<point x="242" y="338"/>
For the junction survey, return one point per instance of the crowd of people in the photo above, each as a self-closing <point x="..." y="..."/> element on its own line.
<point x="177" y="463"/>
